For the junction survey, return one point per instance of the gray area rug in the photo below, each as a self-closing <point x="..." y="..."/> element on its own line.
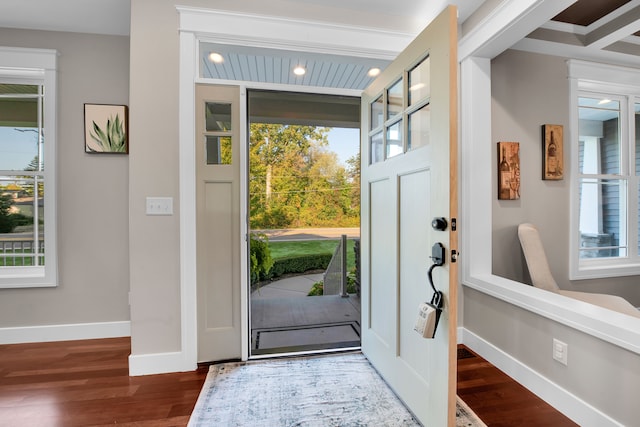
<point x="332" y="390"/>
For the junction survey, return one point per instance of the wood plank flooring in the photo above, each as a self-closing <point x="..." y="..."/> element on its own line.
<point x="87" y="383"/>
<point x="498" y="400"/>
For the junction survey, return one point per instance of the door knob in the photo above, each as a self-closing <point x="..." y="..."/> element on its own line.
<point x="439" y="223"/>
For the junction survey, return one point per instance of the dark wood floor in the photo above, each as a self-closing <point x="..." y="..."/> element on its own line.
<point x="500" y="401"/>
<point x="87" y="383"/>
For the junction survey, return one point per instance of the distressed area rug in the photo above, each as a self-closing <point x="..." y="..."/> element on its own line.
<point x="331" y="390"/>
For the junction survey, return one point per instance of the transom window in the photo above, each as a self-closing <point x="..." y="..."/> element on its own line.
<point x="27" y="169"/>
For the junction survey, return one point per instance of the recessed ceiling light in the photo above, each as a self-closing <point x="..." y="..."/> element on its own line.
<point x="299" y="70"/>
<point x="373" y="72"/>
<point x="216" y="57"/>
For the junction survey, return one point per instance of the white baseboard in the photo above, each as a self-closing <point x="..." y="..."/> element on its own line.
<point x="570" y="405"/>
<point x="158" y="363"/>
<point x="79" y="331"/>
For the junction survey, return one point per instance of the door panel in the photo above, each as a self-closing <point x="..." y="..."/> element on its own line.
<point x="382" y="292"/>
<point x="414" y="208"/>
<point x="217" y="239"/>
<point x="409" y="137"/>
<point x="218" y="222"/>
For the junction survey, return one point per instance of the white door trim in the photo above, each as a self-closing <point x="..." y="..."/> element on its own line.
<point x="246" y="30"/>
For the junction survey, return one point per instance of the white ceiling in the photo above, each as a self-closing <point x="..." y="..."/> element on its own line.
<point x="610" y="39"/>
<point x="78" y="16"/>
<point x="262" y="65"/>
<point x="113" y="16"/>
<point x="415" y="11"/>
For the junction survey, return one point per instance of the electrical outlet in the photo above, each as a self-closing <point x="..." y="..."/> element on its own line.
<point x="560" y="351"/>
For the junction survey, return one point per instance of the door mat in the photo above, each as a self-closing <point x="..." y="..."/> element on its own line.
<point x="334" y="335"/>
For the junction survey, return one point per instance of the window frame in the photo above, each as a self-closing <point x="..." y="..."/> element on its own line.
<point x="620" y="83"/>
<point x="37" y="66"/>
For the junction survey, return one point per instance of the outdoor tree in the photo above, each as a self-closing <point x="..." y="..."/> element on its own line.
<point x="27" y="184"/>
<point x="295" y="181"/>
<point x="353" y="176"/>
<point x="6" y="221"/>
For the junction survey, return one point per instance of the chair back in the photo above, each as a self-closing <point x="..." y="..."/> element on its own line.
<point x="536" y="258"/>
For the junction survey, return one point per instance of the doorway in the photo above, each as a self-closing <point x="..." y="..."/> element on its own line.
<point x="303" y="222"/>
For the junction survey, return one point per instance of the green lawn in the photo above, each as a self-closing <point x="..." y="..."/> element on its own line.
<point x="17" y="261"/>
<point x="310" y="247"/>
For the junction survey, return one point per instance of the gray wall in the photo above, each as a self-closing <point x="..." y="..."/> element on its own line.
<point x="93" y="230"/>
<point x="530" y="90"/>
<point x="602" y="374"/>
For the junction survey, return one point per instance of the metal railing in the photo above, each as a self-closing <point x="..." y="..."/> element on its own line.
<point x="335" y="276"/>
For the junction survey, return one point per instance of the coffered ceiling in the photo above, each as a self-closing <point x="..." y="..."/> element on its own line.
<point x="596" y="30"/>
<point x="586" y="12"/>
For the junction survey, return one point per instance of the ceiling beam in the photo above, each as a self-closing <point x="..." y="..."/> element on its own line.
<point x="507" y="23"/>
<point x="615" y="30"/>
<point x="547" y="47"/>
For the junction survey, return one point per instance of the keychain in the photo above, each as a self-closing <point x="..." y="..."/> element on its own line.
<point x="429" y="312"/>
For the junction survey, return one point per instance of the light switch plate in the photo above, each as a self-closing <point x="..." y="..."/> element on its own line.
<point x="159" y="205"/>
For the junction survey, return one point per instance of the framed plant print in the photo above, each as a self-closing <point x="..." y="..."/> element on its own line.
<point x="508" y="171"/>
<point x="552" y="152"/>
<point x="106" y="129"/>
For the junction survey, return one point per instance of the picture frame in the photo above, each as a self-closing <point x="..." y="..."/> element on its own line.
<point x="508" y="171"/>
<point x="106" y="129"/>
<point x="552" y="152"/>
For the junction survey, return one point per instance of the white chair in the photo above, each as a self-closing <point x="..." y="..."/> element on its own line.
<point x="542" y="278"/>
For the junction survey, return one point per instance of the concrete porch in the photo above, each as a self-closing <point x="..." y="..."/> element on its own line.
<point x="284" y="319"/>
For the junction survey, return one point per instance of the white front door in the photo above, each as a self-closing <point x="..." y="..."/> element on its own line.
<point x="409" y="167"/>
<point x="218" y="222"/>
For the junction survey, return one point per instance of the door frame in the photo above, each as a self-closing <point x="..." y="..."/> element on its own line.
<point x="494" y="34"/>
<point x="198" y="25"/>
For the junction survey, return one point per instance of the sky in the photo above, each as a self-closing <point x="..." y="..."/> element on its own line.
<point x="345" y="142"/>
<point x="17" y="149"/>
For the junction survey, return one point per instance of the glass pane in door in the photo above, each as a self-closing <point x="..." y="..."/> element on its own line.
<point x="217" y="117"/>
<point x="377" y="113"/>
<point x="394" y="99"/>
<point x="218" y="150"/>
<point x="376" y="148"/>
<point x="419" y="128"/>
<point x="419" y="84"/>
<point x="394" y="139"/>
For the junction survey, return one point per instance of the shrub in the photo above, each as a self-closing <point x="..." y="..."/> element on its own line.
<point x="298" y="264"/>
<point x="6" y="221"/>
<point x="318" y="288"/>
<point x="20" y="219"/>
<point x="260" y="257"/>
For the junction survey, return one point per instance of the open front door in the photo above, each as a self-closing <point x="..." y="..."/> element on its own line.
<point x="409" y="169"/>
